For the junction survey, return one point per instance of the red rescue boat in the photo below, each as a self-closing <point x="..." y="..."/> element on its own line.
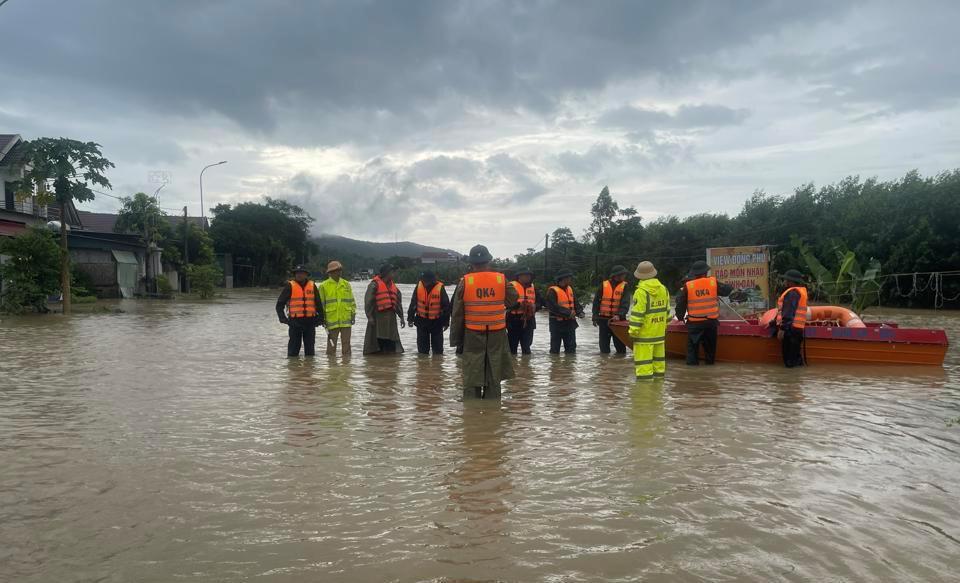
<point x="749" y="340"/>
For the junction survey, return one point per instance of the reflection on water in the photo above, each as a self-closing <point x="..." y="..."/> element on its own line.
<point x="175" y="441"/>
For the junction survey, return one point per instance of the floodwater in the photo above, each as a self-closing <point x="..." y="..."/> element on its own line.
<point x="175" y="442"/>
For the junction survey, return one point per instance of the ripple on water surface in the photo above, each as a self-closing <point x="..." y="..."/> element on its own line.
<point x="174" y="441"/>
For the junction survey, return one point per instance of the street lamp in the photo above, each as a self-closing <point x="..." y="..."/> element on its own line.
<point x="203" y="214"/>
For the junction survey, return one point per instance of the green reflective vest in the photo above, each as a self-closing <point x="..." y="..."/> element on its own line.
<point x="338" y="304"/>
<point x="649" y="313"/>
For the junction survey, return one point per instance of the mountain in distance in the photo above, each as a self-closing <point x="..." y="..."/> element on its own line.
<point x="335" y="245"/>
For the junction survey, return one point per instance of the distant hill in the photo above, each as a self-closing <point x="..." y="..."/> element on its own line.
<point x="335" y="245"/>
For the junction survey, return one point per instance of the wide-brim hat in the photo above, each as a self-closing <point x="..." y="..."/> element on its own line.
<point x="334" y="266"/>
<point x="386" y="268"/>
<point x="563" y="273"/>
<point x="428" y="276"/>
<point x="300" y="268"/>
<point x="645" y="270"/>
<point x="523" y="271"/>
<point x="479" y="254"/>
<point x="794" y="276"/>
<point x="699" y="268"/>
<point x="618" y="270"/>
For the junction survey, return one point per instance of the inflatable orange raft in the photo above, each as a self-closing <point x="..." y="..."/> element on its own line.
<point x="844" y="317"/>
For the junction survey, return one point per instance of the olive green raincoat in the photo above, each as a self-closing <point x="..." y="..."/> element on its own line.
<point x="380" y="324"/>
<point x="486" y="355"/>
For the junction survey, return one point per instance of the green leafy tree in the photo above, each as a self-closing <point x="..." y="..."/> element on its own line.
<point x="271" y="237"/>
<point x="31" y="272"/>
<point x="604" y="211"/>
<point x="204" y="278"/>
<point x="61" y="171"/>
<point x="140" y="214"/>
<point x="849" y="285"/>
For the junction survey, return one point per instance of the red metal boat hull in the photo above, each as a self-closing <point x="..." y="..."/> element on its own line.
<point x="875" y="344"/>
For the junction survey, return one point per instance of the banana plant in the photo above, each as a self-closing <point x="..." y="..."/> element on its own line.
<point x="850" y="285"/>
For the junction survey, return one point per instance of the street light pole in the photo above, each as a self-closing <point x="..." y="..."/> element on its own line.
<point x="203" y="212"/>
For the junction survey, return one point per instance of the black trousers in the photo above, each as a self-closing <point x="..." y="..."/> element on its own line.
<point x="302" y="331"/>
<point x="606" y="336"/>
<point x="429" y="335"/>
<point x="519" y="335"/>
<point x="565" y="333"/>
<point x="702" y="334"/>
<point x="792" y="346"/>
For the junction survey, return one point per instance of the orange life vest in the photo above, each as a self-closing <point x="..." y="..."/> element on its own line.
<point x="564" y="300"/>
<point x="485" y="301"/>
<point x="429" y="303"/>
<point x="527" y="299"/>
<point x="303" y="300"/>
<point x="800" y="318"/>
<point x="386" y="295"/>
<point x="610" y="300"/>
<point x="703" y="303"/>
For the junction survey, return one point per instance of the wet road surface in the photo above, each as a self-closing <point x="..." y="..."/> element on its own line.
<point x="175" y="442"/>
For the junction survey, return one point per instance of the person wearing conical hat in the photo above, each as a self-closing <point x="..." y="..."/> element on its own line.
<point x="479" y="326"/>
<point x="792" y="318"/>
<point x="339" y="309"/>
<point x="649" y="311"/>
<point x="564" y="309"/>
<point x="611" y="303"/>
<point x="299" y="308"/>
<point x="699" y="303"/>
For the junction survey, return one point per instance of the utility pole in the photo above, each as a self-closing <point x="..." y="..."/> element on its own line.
<point x="546" y="245"/>
<point x="186" y="251"/>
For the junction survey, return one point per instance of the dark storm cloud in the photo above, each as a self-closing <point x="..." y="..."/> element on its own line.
<point x="377" y="62"/>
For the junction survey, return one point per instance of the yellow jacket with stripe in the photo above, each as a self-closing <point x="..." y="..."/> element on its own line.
<point x="649" y="311"/>
<point x="339" y="307"/>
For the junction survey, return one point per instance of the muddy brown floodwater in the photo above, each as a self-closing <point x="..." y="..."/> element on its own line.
<point x="175" y="442"/>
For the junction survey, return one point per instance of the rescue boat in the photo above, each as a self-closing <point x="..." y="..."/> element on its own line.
<point x="832" y="335"/>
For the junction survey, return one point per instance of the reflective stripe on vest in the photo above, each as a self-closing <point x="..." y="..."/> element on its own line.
<point x="485" y="301"/>
<point x="702" y="300"/>
<point x="338" y="304"/>
<point x="527" y="297"/>
<point x="564" y="300"/>
<point x="610" y="299"/>
<point x="800" y="318"/>
<point x="302" y="302"/>
<point x="428" y="304"/>
<point x="386" y="295"/>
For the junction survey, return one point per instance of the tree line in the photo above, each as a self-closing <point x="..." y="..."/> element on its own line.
<point x="910" y="225"/>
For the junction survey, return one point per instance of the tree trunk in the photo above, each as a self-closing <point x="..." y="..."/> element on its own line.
<point x="64" y="261"/>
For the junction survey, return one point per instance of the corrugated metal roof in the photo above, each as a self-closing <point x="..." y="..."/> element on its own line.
<point x="124" y="256"/>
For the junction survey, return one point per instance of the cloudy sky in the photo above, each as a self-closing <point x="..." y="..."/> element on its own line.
<point x="450" y="123"/>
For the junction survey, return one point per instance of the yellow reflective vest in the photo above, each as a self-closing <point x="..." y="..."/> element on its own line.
<point x="339" y="306"/>
<point x="649" y="312"/>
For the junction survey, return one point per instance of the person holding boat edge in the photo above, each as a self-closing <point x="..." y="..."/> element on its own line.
<point x="792" y="318"/>
<point x="297" y="307"/>
<point x="699" y="302"/>
<point x="611" y="303"/>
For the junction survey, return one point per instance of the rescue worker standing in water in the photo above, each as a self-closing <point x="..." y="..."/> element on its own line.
<point x="430" y="312"/>
<point x="479" y="325"/>
<point x="792" y="318"/>
<point x="521" y="320"/>
<point x="298" y="308"/>
<point x="648" y="323"/>
<point x="611" y="303"/>
<point x="383" y="306"/>
<point x="564" y="310"/>
<point x="339" y="309"/>
<point x="699" y="302"/>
